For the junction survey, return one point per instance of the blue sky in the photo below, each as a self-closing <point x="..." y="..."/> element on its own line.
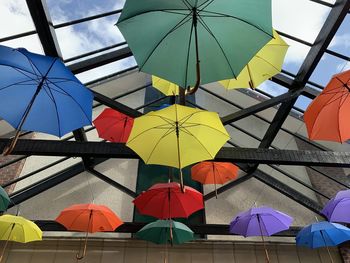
<point x="300" y="18"/>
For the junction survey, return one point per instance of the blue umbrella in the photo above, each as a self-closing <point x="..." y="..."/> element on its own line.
<point x="38" y="93"/>
<point x="323" y="234"/>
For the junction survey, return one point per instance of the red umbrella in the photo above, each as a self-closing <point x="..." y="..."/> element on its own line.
<point x="214" y="172"/>
<point x="89" y="218"/>
<point x="166" y="200"/>
<point x="327" y="117"/>
<point x="113" y="125"/>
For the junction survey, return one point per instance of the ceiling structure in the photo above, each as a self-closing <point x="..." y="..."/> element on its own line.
<point x="297" y="85"/>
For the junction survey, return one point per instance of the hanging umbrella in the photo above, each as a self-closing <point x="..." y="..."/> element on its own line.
<point x="166" y="201"/>
<point x="177" y="136"/>
<point x="113" y="125"/>
<point x="89" y="218"/>
<point x="337" y="209"/>
<point x="165" y="231"/>
<point x="260" y="221"/>
<point x="327" y="117"/>
<point x="38" y="93"/>
<point x="323" y="234"/>
<point x="264" y="65"/>
<point x="192" y="41"/>
<point x="18" y="229"/>
<point x="4" y="200"/>
<point x="214" y="173"/>
<point x="164" y="86"/>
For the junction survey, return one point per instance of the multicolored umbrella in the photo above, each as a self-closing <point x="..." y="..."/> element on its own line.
<point x="214" y="173"/>
<point x="323" y="234"/>
<point x="38" y="93"/>
<point x="193" y="41"/>
<point x="177" y="136"/>
<point x="260" y="221"/>
<point x="164" y="86"/>
<point x="327" y="117"/>
<point x="337" y="209"/>
<point x="165" y="231"/>
<point x="18" y="229"/>
<point x="89" y="218"/>
<point x="166" y="201"/>
<point x="113" y="125"/>
<point x="4" y="200"/>
<point x="264" y="65"/>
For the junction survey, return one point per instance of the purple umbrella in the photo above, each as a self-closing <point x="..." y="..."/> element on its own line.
<point x="260" y="221"/>
<point x="336" y="210"/>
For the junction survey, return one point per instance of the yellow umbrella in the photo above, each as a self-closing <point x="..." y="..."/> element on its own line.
<point x="18" y="229"/>
<point x="265" y="64"/>
<point x="166" y="87"/>
<point x="177" y="136"/>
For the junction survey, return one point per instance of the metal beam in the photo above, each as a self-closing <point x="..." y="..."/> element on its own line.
<point x="226" y="154"/>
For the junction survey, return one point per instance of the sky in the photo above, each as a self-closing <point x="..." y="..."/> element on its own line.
<point x="300" y="18"/>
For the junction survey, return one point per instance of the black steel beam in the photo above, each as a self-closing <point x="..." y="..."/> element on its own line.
<point x="133" y="227"/>
<point x="288" y="191"/>
<point x="226" y="154"/>
<point x="113" y="183"/>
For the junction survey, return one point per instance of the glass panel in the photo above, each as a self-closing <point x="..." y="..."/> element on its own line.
<point x="31" y="43"/>
<point x="302" y="102"/>
<point x="341" y="40"/>
<point x="295" y="55"/>
<point x="88" y="36"/>
<point x="272" y="88"/>
<point x="300" y="18"/>
<point x="16" y="12"/>
<point x="64" y="11"/>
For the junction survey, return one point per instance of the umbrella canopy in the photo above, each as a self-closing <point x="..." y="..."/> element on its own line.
<point x="18" y="229"/>
<point x="214" y="172"/>
<point x="337" y="209"/>
<point x="165" y="201"/>
<point x="165" y="231"/>
<point x="164" y="86"/>
<point x="260" y="221"/>
<point x="38" y="93"/>
<point x="4" y="199"/>
<point x="322" y="234"/>
<point x="264" y="65"/>
<point x="327" y="117"/>
<point x="113" y="125"/>
<point x="177" y="136"/>
<point x="168" y="38"/>
<point x="89" y="218"/>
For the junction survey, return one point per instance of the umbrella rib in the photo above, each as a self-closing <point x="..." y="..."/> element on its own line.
<point x="169" y="131"/>
<point x="167" y="120"/>
<point x="144" y="131"/>
<point x="71" y="98"/>
<point x="19" y="69"/>
<point x="33" y="65"/>
<point x="178" y="25"/>
<point x="150" y="11"/>
<point x="268" y="62"/>
<point x="189" y="133"/>
<point x="217" y="42"/>
<point x="18" y="83"/>
<point x="216" y="14"/>
<point x="205" y="4"/>
<point x="202" y="124"/>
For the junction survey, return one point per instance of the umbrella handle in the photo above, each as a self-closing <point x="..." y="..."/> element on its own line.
<point x="80" y="257"/>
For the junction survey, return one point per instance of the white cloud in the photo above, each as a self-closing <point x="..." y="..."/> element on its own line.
<point x="341" y="41"/>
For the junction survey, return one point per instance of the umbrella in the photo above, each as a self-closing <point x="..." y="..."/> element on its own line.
<point x="337" y="209"/>
<point x="327" y="117"/>
<point x="165" y="231"/>
<point x="113" y="125"/>
<point x="260" y="221"/>
<point x="265" y="64"/>
<point x="214" y="173"/>
<point x="4" y="200"/>
<point x="47" y="96"/>
<point x="177" y="136"/>
<point x="193" y="41"/>
<point x="18" y="229"/>
<point x="164" y="86"/>
<point x="89" y="218"/>
<point x="323" y="234"/>
<point x="166" y="201"/>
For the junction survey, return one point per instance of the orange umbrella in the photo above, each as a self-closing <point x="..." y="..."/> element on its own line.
<point x="89" y="218"/>
<point x="327" y="117"/>
<point x="214" y="173"/>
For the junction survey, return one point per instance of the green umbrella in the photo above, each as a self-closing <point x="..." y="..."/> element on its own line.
<point x="178" y="39"/>
<point x="4" y="200"/>
<point x="165" y="231"/>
